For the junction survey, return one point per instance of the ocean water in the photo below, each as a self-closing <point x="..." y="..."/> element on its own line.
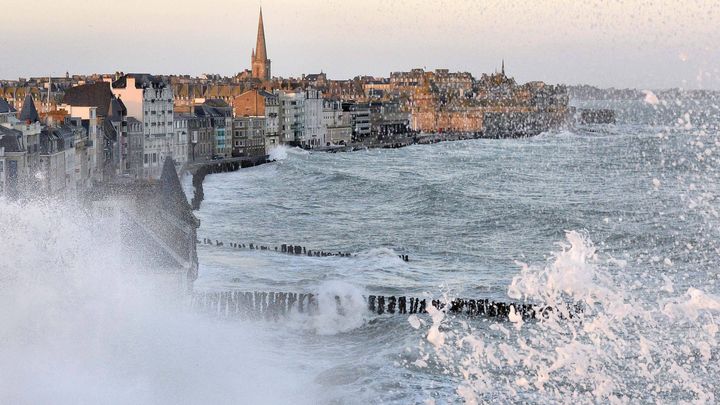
<point x="622" y="219"/>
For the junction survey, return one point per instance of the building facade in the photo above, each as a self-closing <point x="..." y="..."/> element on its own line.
<point x="149" y="100"/>
<point x="249" y="137"/>
<point x="315" y="133"/>
<point x="13" y="163"/>
<point x="136" y="147"/>
<point x="292" y="116"/>
<point x="220" y="115"/>
<point x="359" y="119"/>
<point x="202" y="138"/>
<point x="180" y="144"/>
<point x="260" y="103"/>
<point x="337" y="123"/>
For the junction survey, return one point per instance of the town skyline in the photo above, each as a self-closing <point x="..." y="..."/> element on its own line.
<point x="604" y="51"/>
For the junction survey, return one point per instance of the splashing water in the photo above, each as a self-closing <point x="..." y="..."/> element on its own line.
<point x="341" y="308"/>
<point x="278" y="152"/>
<point x="617" y="349"/>
<point x="84" y="322"/>
<point x="281" y="152"/>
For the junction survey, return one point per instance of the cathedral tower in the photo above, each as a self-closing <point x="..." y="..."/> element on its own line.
<point x="259" y="61"/>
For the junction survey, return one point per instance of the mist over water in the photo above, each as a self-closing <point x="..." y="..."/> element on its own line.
<point x="84" y="323"/>
<point x="620" y="219"/>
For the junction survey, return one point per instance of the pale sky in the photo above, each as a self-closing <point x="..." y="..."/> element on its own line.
<point x="634" y="43"/>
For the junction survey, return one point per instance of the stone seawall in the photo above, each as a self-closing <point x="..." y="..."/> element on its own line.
<point x="202" y="169"/>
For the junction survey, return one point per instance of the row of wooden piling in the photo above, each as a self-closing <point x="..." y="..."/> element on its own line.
<point x="284" y="248"/>
<point x="470" y="307"/>
<point x="272" y="305"/>
<point x="253" y="305"/>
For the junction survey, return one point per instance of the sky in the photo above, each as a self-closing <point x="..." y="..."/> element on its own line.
<point x="634" y="43"/>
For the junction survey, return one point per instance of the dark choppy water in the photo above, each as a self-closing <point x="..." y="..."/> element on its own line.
<point x="639" y="199"/>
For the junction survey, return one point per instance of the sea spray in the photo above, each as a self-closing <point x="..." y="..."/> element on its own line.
<point x="281" y="152"/>
<point x="278" y="152"/>
<point x="84" y="322"/>
<point x="617" y="349"/>
<point x="341" y="307"/>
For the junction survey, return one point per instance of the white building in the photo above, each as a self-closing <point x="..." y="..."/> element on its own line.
<point x="149" y="100"/>
<point x="301" y="118"/>
<point x="315" y="132"/>
<point x="292" y="116"/>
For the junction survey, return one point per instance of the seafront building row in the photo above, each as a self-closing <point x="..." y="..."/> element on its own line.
<point x="65" y="133"/>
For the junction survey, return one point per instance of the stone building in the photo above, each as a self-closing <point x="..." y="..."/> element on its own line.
<point x="53" y="160"/>
<point x="29" y="124"/>
<point x="220" y="115"/>
<point x="202" y="138"/>
<point x="249" y="137"/>
<point x="181" y="140"/>
<point x="13" y="163"/>
<point x="337" y="123"/>
<point x="260" y="103"/>
<point x="7" y="111"/>
<point x="104" y="116"/>
<point x="136" y="147"/>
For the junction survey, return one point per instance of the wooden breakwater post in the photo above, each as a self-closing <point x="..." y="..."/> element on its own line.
<point x="287" y="248"/>
<point x="274" y="305"/>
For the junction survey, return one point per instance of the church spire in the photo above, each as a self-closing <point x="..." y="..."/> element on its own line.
<point x="260" y="62"/>
<point x="260" y="50"/>
<point x="503" y="67"/>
